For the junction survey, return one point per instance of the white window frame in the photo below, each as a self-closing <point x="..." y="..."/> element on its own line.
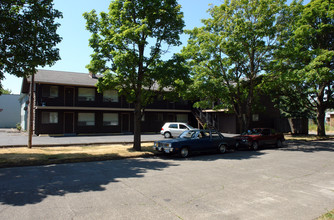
<point x="49" y="117"/>
<point x="86" y="94"/>
<point x="110" y="119"/>
<point x="86" y="119"/>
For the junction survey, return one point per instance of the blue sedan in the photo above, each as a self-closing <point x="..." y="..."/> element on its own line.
<point x="195" y="140"/>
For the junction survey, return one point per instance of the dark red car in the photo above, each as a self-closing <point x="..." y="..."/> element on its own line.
<point x="259" y="137"/>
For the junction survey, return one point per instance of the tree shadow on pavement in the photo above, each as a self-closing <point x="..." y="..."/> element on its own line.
<point x="310" y="146"/>
<point x="31" y="185"/>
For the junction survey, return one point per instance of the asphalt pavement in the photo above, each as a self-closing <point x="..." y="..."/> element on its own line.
<point x="294" y="182"/>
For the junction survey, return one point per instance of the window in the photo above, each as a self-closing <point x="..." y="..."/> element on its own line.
<point x="50" y="91"/>
<point x="86" y="94"/>
<point x="183" y="126"/>
<point x="173" y="126"/>
<point x="182" y="118"/>
<point x="86" y="119"/>
<point x="110" y="119"/>
<point x="49" y="117"/>
<point x="110" y="96"/>
<point x="255" y="117"/>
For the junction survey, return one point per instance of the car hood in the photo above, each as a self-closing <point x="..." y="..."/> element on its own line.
<point x="174" y="140"/>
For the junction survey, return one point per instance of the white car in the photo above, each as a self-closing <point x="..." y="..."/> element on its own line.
<point x="174" y="129"/>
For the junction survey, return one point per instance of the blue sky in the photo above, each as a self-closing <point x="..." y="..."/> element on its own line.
<point x="74" y="49"/>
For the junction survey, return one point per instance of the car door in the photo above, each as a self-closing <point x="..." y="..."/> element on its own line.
<point x="216" y="140"/>
<point x="201" y="141"/>
<point x="181" y="129"/>
<point x="173" y="129"/>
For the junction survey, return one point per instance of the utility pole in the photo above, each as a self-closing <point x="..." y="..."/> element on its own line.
<point x="31" y="110"/>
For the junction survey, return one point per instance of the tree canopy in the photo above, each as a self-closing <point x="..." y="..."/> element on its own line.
<point x="230" y="52"/>
<point x="306" y="60"/>
<point x="128" y="42"/>
<point x="27" y="36"/>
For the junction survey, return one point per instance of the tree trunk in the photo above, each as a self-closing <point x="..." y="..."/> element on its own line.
<point x="137" y="125"/>
<point x="321" y="111"/>
<point x="321" y="121"/>
<point x="31" y="111"/>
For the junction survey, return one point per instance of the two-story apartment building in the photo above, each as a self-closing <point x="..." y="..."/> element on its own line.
<point x="68" y="103"/>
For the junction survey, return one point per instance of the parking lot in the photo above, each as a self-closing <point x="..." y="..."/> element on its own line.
<point x="294" y="182"/>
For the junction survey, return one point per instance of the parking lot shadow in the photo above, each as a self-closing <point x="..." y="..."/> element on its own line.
<point x="31" y="185"/>
<point x="231" y="155"/>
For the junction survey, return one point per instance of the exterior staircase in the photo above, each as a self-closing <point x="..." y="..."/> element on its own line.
<point x="204" y="119"/>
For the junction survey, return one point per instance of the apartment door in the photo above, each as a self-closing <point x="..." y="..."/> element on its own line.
<point x="69" y="96"/>
<point x="125" y="122"/>
<point x="68" y="122"/>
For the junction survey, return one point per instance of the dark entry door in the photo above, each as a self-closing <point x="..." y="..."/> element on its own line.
<point x="69" y="96"/>
<point x="69" y="122"/>
<point x="125" y="122"/>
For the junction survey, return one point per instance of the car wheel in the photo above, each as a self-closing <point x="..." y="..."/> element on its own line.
<point x="167" y="135"/>
<point x="279" y="144"/>
<point x="222" y="148"/>
<point x="184" y="152"/>
<point x="255" y="145"/>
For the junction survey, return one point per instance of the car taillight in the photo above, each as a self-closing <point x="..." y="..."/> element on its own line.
<point x="162" y="129"/>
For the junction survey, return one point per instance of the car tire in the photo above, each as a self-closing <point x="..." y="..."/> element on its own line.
<point x="167" y="135"/>
<point x="279" y="143"/>
<point x="184" y="152"/>
<point x="255" y="146"/>
<point x="222" y="148"/>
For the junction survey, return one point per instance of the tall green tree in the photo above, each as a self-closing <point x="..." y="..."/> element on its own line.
<point x="306" y="60"/>
<point x="27" y="40"/>
<point x="27" y="36"/>
<point x="232" y="50"/>
<point x="128" y="42"/>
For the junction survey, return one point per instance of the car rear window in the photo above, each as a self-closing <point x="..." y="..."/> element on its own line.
<point x="173" y="126"/>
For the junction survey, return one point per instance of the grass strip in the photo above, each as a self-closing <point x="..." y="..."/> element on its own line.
<point x="21" y="156"/>
<point x="307" y="137"/>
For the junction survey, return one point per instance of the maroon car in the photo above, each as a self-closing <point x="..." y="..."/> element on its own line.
<point x="258" y="137"/>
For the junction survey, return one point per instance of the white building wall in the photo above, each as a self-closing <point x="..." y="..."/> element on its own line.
<point x="9" y="111"/>
<point x="24" y="111"/>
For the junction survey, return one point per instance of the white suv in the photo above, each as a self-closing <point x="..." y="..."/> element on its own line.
<point x="174" y="129"/>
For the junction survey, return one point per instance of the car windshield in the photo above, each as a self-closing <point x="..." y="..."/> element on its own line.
<point x="253" y="131"/>
<point x="190" y="127"/>
<point x="188" y="134"/>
